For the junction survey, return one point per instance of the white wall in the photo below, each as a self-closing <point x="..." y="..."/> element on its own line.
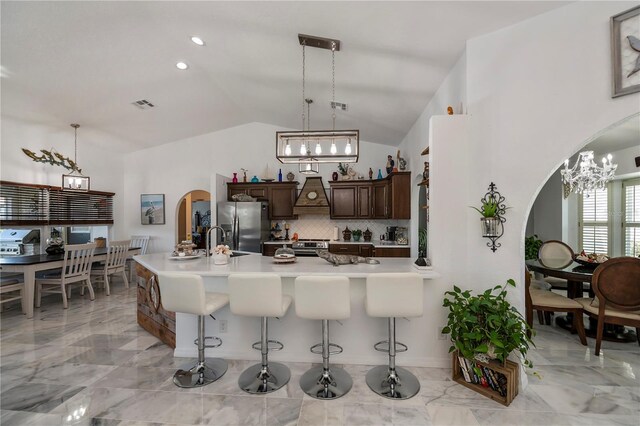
<point x="179" y="167"/>
<point x="99" y="156"/>
<point x="536" y="92"/>
<point x="452" y="92"/>
<point x="547" y="210"/>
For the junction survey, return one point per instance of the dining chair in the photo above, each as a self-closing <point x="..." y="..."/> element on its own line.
<point x="76" y="269"/>
<point x="556" y="254"/>
<point x="141" y="241"/>
<point x="616" y="284"/>
<point x="11" y="289"/>
<point x="115" y="263"/>
<point x="544" y="301"/>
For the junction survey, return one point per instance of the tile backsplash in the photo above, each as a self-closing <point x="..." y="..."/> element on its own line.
<point x="321" y="226"/>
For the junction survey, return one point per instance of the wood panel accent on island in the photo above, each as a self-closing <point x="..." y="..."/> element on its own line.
<point x="151" y="314"/>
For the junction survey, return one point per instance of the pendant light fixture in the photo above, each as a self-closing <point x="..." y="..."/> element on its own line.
<point x="586" y="175"/>
<point x="317" y="146"/>
<point x="75" y="181"/>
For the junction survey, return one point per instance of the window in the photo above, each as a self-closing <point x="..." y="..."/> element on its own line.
<point x="593" y="225"/>
<point x="631" y="218"/>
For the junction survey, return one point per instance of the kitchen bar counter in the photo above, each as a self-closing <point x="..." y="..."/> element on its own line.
<point x="357" y="334"/>
<point x="376" y="245"/>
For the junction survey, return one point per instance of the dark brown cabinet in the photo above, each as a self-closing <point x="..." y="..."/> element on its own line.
<point x="388" y="198"/>
<point x="392" y="252"/>
<point x="363" y="250"/>
<point x="270" y="249"/>
<point x="281" y="196"/>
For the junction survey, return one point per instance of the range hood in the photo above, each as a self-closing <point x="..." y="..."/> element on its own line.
<point x="312" y="198"/>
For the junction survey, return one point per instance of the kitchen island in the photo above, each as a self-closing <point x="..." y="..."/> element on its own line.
<point x="357" y="334"/>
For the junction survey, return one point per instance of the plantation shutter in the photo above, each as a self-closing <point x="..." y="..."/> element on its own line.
<point x="631" y="221"/>
<point x="594" y="221"/>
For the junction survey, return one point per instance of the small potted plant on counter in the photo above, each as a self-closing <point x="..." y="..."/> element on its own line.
<point x="356" y="233"/>
<point x="221" y="254"/>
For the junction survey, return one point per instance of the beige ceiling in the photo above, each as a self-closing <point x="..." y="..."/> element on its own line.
<point x="86" y="62"/>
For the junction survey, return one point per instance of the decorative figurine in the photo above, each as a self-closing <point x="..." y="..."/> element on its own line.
<point x="390" y="164"/>
<point x="370" y="173"/>
<point x="402" y="164"/>
<point x="235" y="177"/>
<point x="346" y="234"/>
<point x="449" y="110"/>
<point x="290" y="176"/>
<point x="379" y="174"/>
<point x="244" y="177"/>
<point x="425" y="173"/>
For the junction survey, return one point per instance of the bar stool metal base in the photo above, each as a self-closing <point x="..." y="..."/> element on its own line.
<point x="330" y="384"/>
<point x="201" y="374"/>
<point x="401" y="385"/>
<point x="260" y="380"/>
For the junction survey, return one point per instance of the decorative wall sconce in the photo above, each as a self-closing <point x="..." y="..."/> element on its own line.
<point x="492" y="220"/>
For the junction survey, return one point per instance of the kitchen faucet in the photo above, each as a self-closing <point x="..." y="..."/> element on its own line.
<point x="208" y="243"/>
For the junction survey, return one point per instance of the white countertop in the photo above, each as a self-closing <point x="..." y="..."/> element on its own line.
<point x="161" y="262"/>
<point x="347" y="242"/>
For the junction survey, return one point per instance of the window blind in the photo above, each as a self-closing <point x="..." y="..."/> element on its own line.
<point x="631" y="223"/>
<point x="23" y="205"/>
<point x="76" y="208"/>
<point x="594" y="221"/>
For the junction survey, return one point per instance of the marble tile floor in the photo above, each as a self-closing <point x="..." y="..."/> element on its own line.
<point x="92" y="365"/>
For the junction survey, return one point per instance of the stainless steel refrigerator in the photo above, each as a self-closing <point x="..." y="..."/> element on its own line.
<point x="246" y="224"/>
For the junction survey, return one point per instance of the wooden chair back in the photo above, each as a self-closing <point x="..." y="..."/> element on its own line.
<point x="555" y="254"/>
<point x="77" y="261"/>
<point x="616" y="283"/>
<point x="141" y="241"/>
<point x="117" y="255"/>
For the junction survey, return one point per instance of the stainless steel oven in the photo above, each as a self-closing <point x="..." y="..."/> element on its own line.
<point x="308" y="248"/>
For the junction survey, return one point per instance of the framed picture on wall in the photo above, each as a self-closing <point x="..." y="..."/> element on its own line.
<point x="152" y="209"/>
<point x="625" y="46"/>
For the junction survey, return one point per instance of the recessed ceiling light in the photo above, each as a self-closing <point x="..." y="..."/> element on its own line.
<point x="182" y="66"/>
<point x="197" y="40"/>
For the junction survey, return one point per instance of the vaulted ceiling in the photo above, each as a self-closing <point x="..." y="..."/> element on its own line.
<point x="86" y="62"/>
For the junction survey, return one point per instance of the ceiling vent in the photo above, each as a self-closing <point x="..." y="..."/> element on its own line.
<point x="143" y="104"/>
<point x="338" y="105"/>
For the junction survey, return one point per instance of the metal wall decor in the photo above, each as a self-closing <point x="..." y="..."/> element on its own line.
<point x="625" y="49"/>
<point x="493" y="227"/>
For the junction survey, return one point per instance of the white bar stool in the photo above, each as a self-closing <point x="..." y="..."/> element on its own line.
<point x="260" y="295"/>
<point x="324" y="298"/>
<point x="185" y="293"/>
<point x="393" y="295"/>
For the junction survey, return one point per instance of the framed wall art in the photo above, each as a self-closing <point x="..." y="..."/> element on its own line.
<point x="625" y="47"/>
<point x="152" y="209"/>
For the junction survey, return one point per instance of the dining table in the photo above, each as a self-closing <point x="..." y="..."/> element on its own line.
<point x="577" y="274"/>
<point x="30" y="265"/>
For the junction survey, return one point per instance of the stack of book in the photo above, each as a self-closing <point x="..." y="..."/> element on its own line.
<point x="480" y="375"/>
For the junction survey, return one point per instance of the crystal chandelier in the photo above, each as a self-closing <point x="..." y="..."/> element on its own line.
<point x="308" y="147"/>
<point x="586" y="175"/>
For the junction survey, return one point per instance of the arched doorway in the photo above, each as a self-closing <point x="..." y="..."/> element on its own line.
<point x="193" y="217"/>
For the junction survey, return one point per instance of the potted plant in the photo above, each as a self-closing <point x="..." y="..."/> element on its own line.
<point x="490" y="220"/>
<point x="356" y="233"/>
<point x="531" y="246"/>
<point x="486" y="326"/>
<point x="221" y="254"/>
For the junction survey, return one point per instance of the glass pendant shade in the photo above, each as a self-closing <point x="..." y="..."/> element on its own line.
<point x="309" y="167"/>
<point x="344" y="146"/>
<point x="75" y="182"/>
